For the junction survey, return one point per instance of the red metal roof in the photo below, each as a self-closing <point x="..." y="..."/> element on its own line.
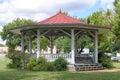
<point x="60" y="18"/>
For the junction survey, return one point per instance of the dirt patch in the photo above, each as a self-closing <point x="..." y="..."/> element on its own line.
<point x="106" y="70"/>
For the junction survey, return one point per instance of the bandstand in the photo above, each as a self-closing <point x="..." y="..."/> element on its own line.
<point x="57" y="26"/>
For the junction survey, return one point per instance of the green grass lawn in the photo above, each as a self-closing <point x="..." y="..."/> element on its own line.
<point x="116" y="64"/>
<point x="13" y="74"/>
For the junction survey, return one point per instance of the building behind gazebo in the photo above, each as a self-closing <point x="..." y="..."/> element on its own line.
<point x="62" y="25"/>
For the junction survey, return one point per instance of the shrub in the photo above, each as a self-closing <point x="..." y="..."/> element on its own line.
<point x="41" y="64"/>
<point x="50" y="66"/>
<point x="105" y="61"/>
<point x="18" y="59"/>
<point x="15" y="59"/>
<point x="60" y="64"/>
<point x="25" y="58"/>
<point x="41" y="60"/>
<point x="37" y="64"/>
<point x="31" y="64"/>
<point x="11" y="65"/>
<point x="42" y="67"/>
<point x="36" y="68"/>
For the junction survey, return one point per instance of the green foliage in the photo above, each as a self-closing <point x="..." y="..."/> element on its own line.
<point x="44" y="42"/>
<point x="37" y="64"/>
<point x="50" y="66"/>
<point x="106" y="43"/>
<point x="60" y="64"/>
<point x="32" y="63"/>
<point x="41" y="60"/>
<point x="17" y="59"/>
<point x="63" y="43"/>
<point x="116" y="27"/>
<point x="83" y="20"/>
<point x="105" y="40"/>
<point x="116" y="65"/>
<point x="101" y="17"/>
<point x="2" y="45"/>
<point x="105" y="60"/>
<point x="40" y="64"/>
<point x="12" y="39"/>
<point x="104" y="18"/>
<point x="84" y="42"/>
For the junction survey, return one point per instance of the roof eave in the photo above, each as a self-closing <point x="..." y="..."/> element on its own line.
<point x="52" y="26"/>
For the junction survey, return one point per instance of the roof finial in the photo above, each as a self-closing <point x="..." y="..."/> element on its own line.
<point x="60" y="11"/>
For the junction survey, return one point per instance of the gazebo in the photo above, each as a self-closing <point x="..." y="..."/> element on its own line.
<point x="57" y="26"/>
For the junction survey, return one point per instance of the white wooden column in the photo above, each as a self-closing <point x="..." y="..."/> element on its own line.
<point x="51" y="44"/>
<point x="22" y="50"/>
<point x="96" y="47"/>
<point x="38" y="43"/>
<point x="22" y="43"/>
<point x="30" y="45"/>
<point x="73" y="46"/>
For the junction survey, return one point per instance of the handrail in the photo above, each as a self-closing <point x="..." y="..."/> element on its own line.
<point x="52" y="57"/>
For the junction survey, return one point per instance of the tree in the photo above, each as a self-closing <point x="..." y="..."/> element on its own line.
<point x="101" y="17"/>
<point x="44" y="42"/>
<point x="84" y="42"/>
<point x="83" y="19"/>
<point x="104" y="18"/>
<point x="63" y="43"/>
<point x="12" y="39"/>
<point x="116" y="27"/>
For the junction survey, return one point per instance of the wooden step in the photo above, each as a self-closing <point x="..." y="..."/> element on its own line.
<point x="88" y="67"/>
<point x="86" y="60"/>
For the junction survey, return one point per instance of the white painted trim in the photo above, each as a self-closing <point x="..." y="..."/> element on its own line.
<point x="51" y="44"/>
<point x="22" y="43"/>
<point x="38" y="43"/>
<point x="73" y="46"/>
<point x="96" y="47"/>
<point x="30" y="45"/>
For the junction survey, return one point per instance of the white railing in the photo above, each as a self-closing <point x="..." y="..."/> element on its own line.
<point x="53" y="57"/>
<point x="82" y="54"/>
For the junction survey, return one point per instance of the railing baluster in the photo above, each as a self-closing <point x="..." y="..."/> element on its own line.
<point x="52" y="57"/>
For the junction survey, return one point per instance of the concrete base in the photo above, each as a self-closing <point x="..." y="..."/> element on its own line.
<point x="71" y="67"/>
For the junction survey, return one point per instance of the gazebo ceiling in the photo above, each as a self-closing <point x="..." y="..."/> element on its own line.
<point x="60" y="21"/>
